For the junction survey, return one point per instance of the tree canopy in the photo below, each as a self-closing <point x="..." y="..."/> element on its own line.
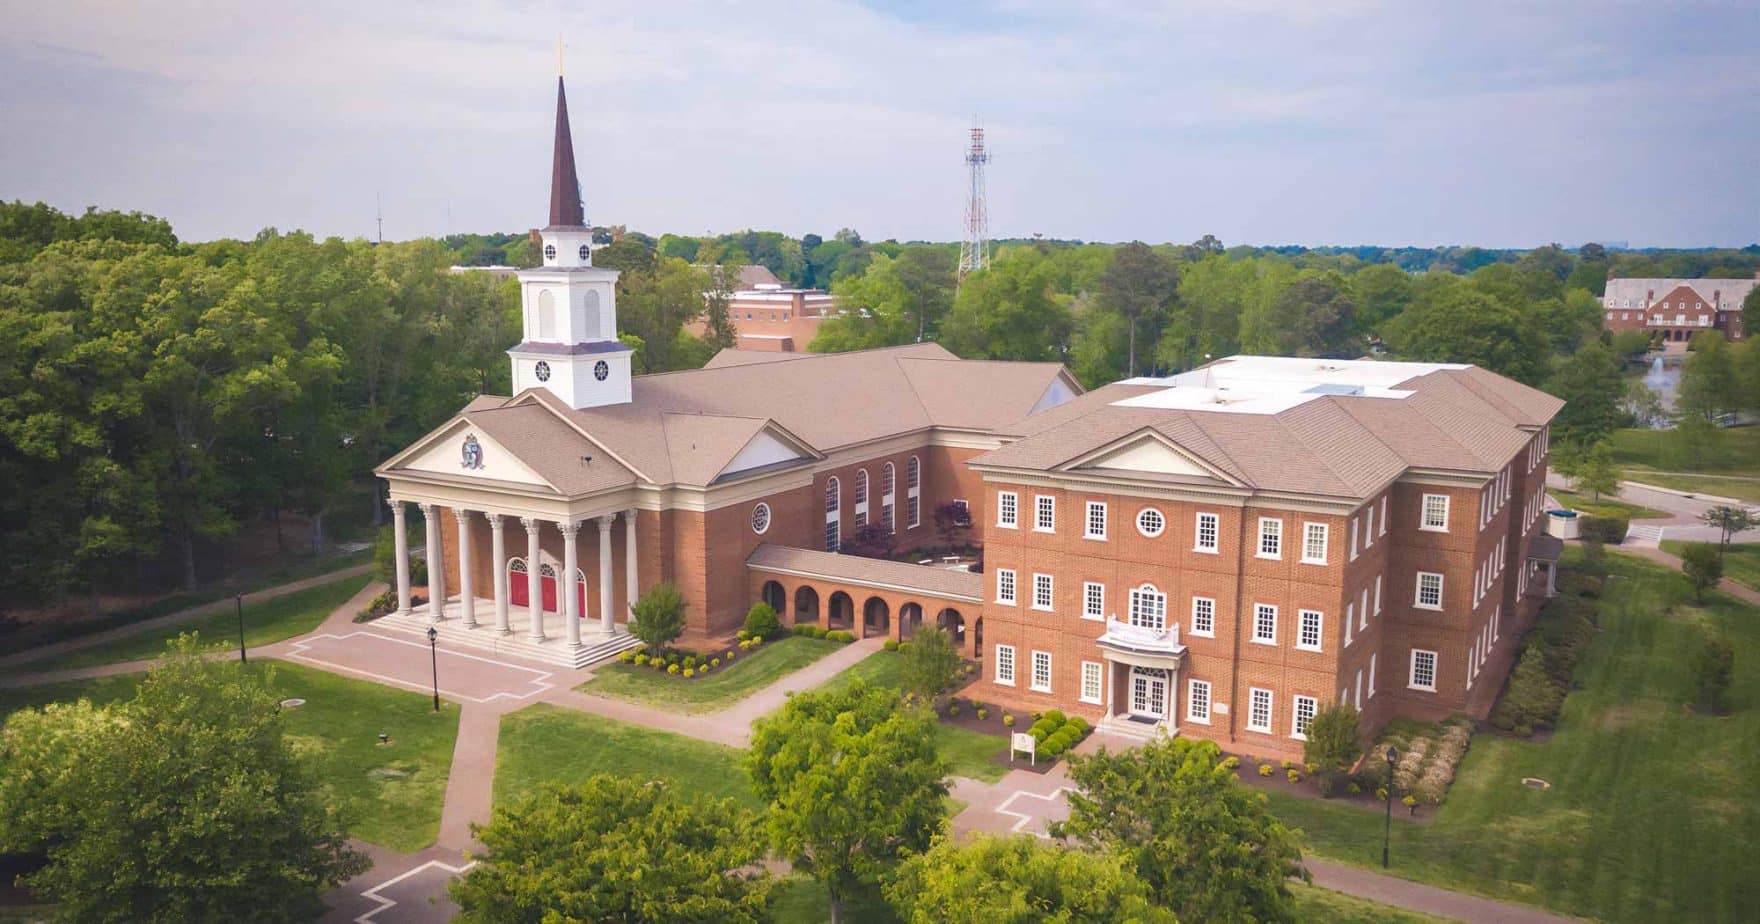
<point x="1019" y="880"/>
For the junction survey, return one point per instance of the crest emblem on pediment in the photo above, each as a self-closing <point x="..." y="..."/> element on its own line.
<point x="471" y="454"/>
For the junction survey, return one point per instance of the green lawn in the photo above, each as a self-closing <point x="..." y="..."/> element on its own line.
<point x="1653" y="808"/>
<point x="542" y="743"/>
<point x="1734" y="451"/>
<point x="968" y="753"/>
<point x="1733" y="486"/>
<point x="390" y="795"/>
<point x="270" y="621"/>
<point x="882" y="668"/>
<point x="1740" y="564"/>
<point x="1605" y="506"/>
<point x="1323" y="906"/>
<point x="723" y="686"/>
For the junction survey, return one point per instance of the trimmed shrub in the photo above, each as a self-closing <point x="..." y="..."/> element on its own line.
<point x="983" y="713"/>
<point x="839" y="635"/>
<point x="689" y="673"/>
<point x="731" y="653"/>
<point x="1332" y="738"/>
<point x="1231" y="762"/>
<point x="890" y="644"/>
<point x="1080" y="724"/>
<point x="672" y="668"/>
<point x="640" y="660"/>
<point x="762" y="621"/>
<point x="1056" y="715"/>
<point x="1007" y="720"/>
<point x="714" y="662"/>
<point x="1295" y="776"/>
<point x="801" y="628"/>
<point x="1265" y="770"/>
<point x="1610" y="530"/>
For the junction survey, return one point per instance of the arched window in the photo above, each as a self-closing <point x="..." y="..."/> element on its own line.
<point x="546" y="315"/>
<point x="861" y="498"/>
<point x="888" y="485"/>
<point x="833" y="524"/>
<point x="1148" y="607"/>
<point x="546" y="570"/>
<point x="590" y="327"/>
<point x="517" y="565"/>
<point x="913" y="493"/>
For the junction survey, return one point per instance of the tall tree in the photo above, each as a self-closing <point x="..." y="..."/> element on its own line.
<point x="1009" y="311"/>
<point x="1208" y="847"/>
<point x="852" y="784"/>
<point x="614" y="850"/>
<point x="1139" y="286"/>
<point x="1019" y="880"/>
<point x="1381" y="292"/>
<point x="1313" y="316"/>
<point x="1590" y="383"/>
<point x="1456" y="323"/>
<point x="1709" y="383"/>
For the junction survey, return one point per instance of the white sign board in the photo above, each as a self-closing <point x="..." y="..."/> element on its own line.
<point x="1024" y="741"/>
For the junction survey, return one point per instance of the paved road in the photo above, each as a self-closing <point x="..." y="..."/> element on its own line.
<point x="1684" y="511"/>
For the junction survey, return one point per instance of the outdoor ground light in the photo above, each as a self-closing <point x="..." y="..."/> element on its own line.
<point x="1387" y="830"/>
<point x="434" y="658"/>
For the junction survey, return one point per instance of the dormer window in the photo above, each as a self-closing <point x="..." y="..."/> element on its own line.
<point x="549" y="251"/>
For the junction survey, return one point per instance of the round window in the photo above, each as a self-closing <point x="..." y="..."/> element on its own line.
<point x="760" y="518"/>
<point x="586" y="252"/>
<point x="549" y="251"/>
<point x="1150" y="522"/>
<point x="542" y="370"/>
<point x="601" y="371"/>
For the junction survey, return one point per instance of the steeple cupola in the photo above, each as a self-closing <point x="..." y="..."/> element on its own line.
<point x="570" y="343"/>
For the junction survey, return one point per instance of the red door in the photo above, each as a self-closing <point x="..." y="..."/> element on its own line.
<point x="547" y="581"/>
<point x="518" y="592"/>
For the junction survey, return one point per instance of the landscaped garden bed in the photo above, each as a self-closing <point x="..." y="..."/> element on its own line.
<point x="713" y="682"/>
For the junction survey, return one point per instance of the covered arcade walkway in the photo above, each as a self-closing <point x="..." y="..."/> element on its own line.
<point x="869" y="596"/>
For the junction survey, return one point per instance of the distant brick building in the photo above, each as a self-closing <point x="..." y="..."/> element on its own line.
<point x="1676" y="308"/>
<point x="770" y="317"/>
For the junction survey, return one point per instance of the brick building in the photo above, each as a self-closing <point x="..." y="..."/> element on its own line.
<point x="771" y="317"/>
<point x="1213" y="554"/>
<point x="1676" y="308"/>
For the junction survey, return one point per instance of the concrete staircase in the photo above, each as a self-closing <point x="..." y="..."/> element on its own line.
<point x="1121" y="726"/>
<point x="1645" y="535"/>
<point x="596" y="646"/>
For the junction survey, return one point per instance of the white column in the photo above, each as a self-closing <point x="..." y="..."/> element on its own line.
<point x="400" y="525"/>
<point x="436" y="564"/>
<point x="629" y="563"/>
<point x="606" y="623"/>
<point x="498" y="552"/>
<point x="534" y="584"/>
<point x="571" y="607"/>
<point x="466" y="592"/>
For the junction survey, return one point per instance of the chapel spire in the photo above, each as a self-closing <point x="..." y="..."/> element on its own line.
<point x="565" y="184"/>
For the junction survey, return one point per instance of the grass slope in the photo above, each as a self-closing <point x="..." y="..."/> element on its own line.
<point x="724" y="686"/>
<point x="1605" y="506"/>
<point x="1741" y="563"/>
<point x="1734" y="451"/>
<point x="1736" y="487"/>
<point x="271" y="621"/>
<point x="1653" y="808"/>
<point x="390" y="795"/>
<point x="542" y="743"/>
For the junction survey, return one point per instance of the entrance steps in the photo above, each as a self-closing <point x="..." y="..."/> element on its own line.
<point x="596" y="646"/>
<point x="1649" y="535"/>
<point x="1123" y="726"/>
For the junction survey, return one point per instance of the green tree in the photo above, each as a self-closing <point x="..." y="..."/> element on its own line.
<point x="852" y="784"/>
<point x="1598" y="474"/>
<point x="1589" y="382"/>
<point x="614" y="850"/>
<point x="1139" y="285"/>
<point x="1709" y="385"/>
<point x="1018" y="880"/>
<point x="1713" y="669"/>
<point x="895" y="301"/>
<point x="186" y="803"/>
<point x="1381" y="292"/>
<point x="1207" y="846"/>
<point x="658" y="616"/>
<point x="1332" y="738"/>
<point x="1728" y="521"/>
<point x="1702" y="563"/>
<point x="1009" y="311"/>
<point x="1313" y="316"/>
<point x="1458" y="324"/>
<point x="1696" y="439"/>
<point x="931" y="662"/>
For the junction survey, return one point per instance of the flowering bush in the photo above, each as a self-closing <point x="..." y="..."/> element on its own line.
<point x="671" y="668"/>
<point x="1007" y="720"/>
<point x="690" y="672"/>
<point x="1265" y="770"/>
<point x="1295" y="776"/>
<point x="1231" y="762"/>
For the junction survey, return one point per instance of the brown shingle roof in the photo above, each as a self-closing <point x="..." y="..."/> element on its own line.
<point x="872" y="572"/>
<point x="551" y="448"/>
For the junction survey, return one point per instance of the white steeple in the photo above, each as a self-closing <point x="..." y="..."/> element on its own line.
<point x="569" y="343"/>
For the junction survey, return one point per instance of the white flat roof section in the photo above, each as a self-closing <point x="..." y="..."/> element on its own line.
<point x="1273" y="384"/>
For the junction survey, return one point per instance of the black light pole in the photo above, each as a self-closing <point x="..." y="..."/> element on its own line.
<point x="1387" y="832"/>
<point x="239" y="601"/>
<point x="434" y="656"/>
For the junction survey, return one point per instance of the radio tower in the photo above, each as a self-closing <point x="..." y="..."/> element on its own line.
<point x="974" y="249"/>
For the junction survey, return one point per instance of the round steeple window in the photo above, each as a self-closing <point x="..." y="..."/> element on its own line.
<point x="542" y="371"/>
<point x="549" y="251"/>
<point x="760" y="518"/>
<point x="601" y="371"/>
<point x="586" y="253"/>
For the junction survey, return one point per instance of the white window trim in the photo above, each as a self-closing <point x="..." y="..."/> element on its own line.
<point x="1088" y="521"/>
<point x="1083" y="693"/>
<point x="1191" y="685"/>
<point x="1412" y="671"/>
<point x="1418" y="591"/>
<point x="1011" y="665"/>
<point x="1014" y="586"/>
<point x="1259" y="545"/>
<point x="1037" y="499"/>
<point x="1000" y="507"/>
<point x="1211" y="633"/>
<point x="1255" y="639"/>
<point x="1050" y="591"/>
<point x="1353" y="556"/>
<point x="1033" y="672"/>
<point x="1372" y="674"/>
<point x="1320" y="618"/>
<point x="1424" y="513"/>
<point x="1295" y="715"/>
<point x="1270" y="709"/>
<point x="1325" y="542"/>
<point x="1088" y="586"/>
<point x="1384" y="515"/>
<point x="1146" y="534"/>
<point x="1198" y="534"/>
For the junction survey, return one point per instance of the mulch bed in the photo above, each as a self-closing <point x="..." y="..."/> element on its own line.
<point x="1278" y="781"/>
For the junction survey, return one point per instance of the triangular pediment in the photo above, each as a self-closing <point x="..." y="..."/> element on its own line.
<point x="1146" y="453"/>
<point x="766" y="448"/>
<point x="462" y="450"/>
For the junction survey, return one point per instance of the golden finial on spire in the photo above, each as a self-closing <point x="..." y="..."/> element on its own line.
<point x="559" y="55"/>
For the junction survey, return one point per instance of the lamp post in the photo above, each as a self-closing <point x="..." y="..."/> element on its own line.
<point x="238" y="601"/>
<point x="434" y="658"/>
<point x="1387" y="830"/>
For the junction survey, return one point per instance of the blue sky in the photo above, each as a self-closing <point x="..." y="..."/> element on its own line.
<point x="1499" y="124"/>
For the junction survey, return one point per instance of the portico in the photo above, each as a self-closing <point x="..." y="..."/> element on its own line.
<point x="1142" y="677"/>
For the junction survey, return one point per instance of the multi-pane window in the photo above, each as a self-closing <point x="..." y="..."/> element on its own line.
<point x="1148" y="607"/>
<point x="1093" y="600"/>
<point x="1369" y="526"/>
<point x="1423" y="669"/>
<point x="861" y="498"/>
<point x="1303" y="716"/>
<point x="1004" y="585"/>
<point x="1429" y="590"/>
<point x="1435" y="512"/>
<point x="913" y="492"/>
<point x="888" y="485"/>
<point x="1042" y="591"/>
<point x="1270" y="537"/>
<point x="1198" y="701"/>
<point x="1258" y="710"/>
<point x="1095" y="521"/>
<point x="1265" y="623"/>
<point x="1005" y="664"/>
<point x="1044" y="513"/>
<point x="1150" y="522"/>
<point x="833" y="524"/>
<point x="1209" y="526"/>
<point x="1308" y="630"/>
<point x="1314" y="542"/>
<point x="1092" y="688"/>
<point x="1203" y="616"/>
<point x="1007" y="509"/>
<point x="1042" y="671"/>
